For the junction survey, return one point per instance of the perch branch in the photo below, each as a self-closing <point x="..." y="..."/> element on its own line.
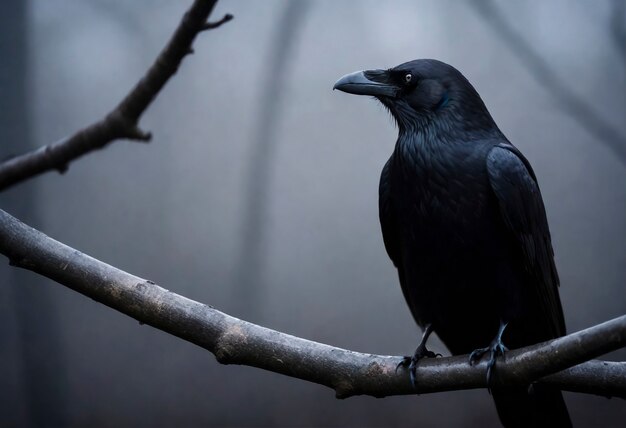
<point x="122" y="121"/>
<point x="235" y="341"/>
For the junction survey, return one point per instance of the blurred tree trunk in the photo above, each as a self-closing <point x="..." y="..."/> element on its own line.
<point x="33" y="392"/>
<point x="249" y="283"/>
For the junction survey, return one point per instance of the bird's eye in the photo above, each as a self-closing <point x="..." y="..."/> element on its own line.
<point x="408" y="77"/>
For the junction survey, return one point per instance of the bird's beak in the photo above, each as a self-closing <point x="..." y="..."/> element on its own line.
<point x="368" y="82"/>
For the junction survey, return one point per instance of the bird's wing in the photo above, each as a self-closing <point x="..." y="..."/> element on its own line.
<point x="515" y="186"/>
<point x="389" y="226"/>
<point x="387" y="216"/>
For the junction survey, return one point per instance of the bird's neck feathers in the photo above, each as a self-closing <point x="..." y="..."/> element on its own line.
<point x="449" y="125"/>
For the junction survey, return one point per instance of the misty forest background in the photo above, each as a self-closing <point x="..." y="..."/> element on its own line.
<point x="258" y="195"/>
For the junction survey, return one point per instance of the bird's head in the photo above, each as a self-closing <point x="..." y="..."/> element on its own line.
<point x="422" y="93"/>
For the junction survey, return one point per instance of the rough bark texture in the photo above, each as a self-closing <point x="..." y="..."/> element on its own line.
<point x="234" y="341"/>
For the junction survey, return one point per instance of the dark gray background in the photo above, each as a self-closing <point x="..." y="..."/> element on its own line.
<point x="314" y="266"/>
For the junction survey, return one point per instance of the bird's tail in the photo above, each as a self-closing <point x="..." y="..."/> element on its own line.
<point x="537" y="406"/>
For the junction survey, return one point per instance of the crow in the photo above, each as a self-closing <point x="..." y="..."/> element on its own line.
<point x="464" y="223"/>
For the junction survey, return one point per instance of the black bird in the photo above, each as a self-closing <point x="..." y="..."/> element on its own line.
<point x="464" y="223"/>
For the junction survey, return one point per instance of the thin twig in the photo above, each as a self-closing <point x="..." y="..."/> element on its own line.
<point x="122" y="121"/>
<point x="234" y="341"/>
<point x="212" y="25"/>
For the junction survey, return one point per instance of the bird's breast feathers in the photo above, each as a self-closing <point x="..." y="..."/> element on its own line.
<point x="438" y="182"/>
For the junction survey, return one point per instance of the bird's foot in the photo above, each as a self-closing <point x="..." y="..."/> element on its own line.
<point x="411" y="362"/>
<point x="495" y="349"/>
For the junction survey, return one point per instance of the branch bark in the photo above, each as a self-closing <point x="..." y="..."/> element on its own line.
<point x="349" y="373"/>
<point x="122" y="121"/>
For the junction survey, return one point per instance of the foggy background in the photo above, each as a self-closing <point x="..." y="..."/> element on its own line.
<point x="258" y="195"/>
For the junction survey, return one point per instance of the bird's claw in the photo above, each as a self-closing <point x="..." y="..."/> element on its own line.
<point x="495" y="349"/>
<point x="477" y="354"/>
<point x="422" y="352"/>
<point x="403" y="363"/>
<point x="411" y="362"/>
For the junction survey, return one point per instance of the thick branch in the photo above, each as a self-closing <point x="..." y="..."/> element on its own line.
<point x="234" y="341"/>
<point x="122" y="121"/>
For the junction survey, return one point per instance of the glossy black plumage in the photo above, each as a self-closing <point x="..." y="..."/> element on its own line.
<point x="464" y="223"/>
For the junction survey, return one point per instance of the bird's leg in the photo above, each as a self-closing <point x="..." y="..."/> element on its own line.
<point x="495" y="348"/>
<point x="420" y="352"/>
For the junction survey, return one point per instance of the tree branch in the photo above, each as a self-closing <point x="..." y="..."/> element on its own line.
<point x="234" y="341"/>
<point x="122" y="121"/>
<point x="212" y="25"/>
